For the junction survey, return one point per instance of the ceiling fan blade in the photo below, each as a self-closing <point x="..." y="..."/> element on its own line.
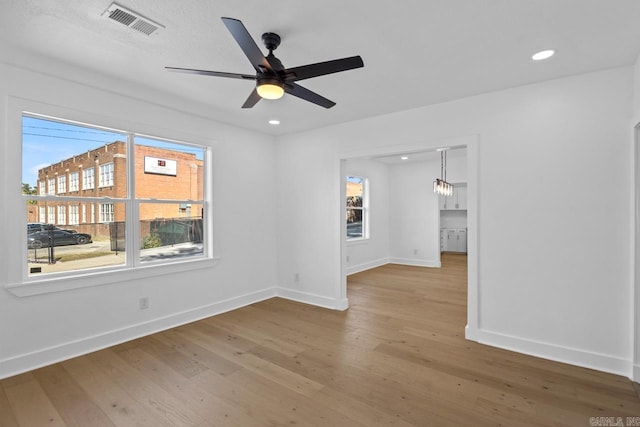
<point x="307" y="95"/>
<point x="211" y="73"/>
<point x="252" y="99"/>
<point x="323" y="68"/>
<point x="247" y="44"/>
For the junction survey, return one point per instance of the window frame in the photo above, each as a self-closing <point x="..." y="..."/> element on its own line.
<point x="18" y="281"/>
<point x="62" y="184"/>
<point x="74" y="216"/>
<point x="74" y="181"/>
<point x="61" y="218"/>
<point x="106" y="179"/>
<point x="364" y="209"/>
<point x="85" y="175"/>
<point x="106" y="213"/>
<point x="51" y="186"/>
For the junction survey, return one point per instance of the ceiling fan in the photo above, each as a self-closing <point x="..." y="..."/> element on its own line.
<point x="272" y="78"/>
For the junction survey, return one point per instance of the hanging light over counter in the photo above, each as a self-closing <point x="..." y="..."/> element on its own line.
<point x="440" y="185"/>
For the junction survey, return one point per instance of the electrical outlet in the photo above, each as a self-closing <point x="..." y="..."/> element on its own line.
<point x="347" y="258"/>
<point x="415" y="252"/>
<point x="296" y="277"/>
<point x="144" y="303"/>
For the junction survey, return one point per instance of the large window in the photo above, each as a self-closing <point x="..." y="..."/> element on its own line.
<point x="357" y="208"/>
<point x="147" y="206"/>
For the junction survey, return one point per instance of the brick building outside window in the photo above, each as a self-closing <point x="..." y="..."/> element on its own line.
<point x="160" y="173"/>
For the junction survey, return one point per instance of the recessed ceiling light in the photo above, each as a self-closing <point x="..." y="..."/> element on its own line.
<point x="274" y="122"/>
<point x="544" y="54"/>
<point x="404" y="158"/>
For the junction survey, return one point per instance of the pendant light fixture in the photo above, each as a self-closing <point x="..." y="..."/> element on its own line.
<point x="440" y="185"/>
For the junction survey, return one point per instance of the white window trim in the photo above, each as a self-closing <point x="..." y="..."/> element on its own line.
<point x="61" y="218"/>
<point x="74" y="216"/>
<point x="74" y="183"/>
<point x="18" y="281"/>
<point x="62" y="184"/>
<point x="85" y="174"/>
<point x="351" y="241"/>
<point x="103" y="213"/>
<point x="51" y="189"/>
<point x="108" y="182"/>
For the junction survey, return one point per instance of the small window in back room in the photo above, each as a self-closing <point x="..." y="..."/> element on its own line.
<point x="356" y="208"/>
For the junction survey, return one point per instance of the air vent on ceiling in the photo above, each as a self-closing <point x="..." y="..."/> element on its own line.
<point x="131" y="19"/>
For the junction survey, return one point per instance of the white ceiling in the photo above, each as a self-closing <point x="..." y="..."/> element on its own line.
<point x="415" y="52"/>
<point x="420" y="156"/>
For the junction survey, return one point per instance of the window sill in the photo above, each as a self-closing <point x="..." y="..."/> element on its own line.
<point x="357" y="242"/>
<point x="100" y="277"/>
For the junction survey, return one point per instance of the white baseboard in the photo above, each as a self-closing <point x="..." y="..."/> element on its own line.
<point x="471" y="333"/>
<point x="415" y="262"/>
<point x="571" y="356"/>
<point x="313" y="299"/>
<point x="635" y="373"/>
<point x="366" y="266"/>
<point x="26" y="362"/>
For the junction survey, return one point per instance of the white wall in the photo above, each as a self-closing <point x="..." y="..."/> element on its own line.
<point x="546" y="154"/>
<point x="41" y="329"/>
<point x="635" y="184"/>
<point x="414" y="217"/>
<point x="374" y="251"/>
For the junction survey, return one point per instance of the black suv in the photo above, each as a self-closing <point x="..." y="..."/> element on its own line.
<point x="32" y="227"/>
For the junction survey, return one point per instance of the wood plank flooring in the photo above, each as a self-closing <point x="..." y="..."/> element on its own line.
<point x="397" y="357"/>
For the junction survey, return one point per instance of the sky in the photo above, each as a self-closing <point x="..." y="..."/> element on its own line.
<point x="354" y="186"/>
<point x="45" y="142"/>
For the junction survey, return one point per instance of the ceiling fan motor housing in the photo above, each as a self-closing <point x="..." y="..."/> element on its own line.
<point x="271" y="41"/>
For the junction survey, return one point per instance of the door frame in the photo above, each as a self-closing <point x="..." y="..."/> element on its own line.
<point x="472" y="143"/>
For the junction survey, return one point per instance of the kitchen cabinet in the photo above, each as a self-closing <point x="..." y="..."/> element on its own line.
<point x="457" y="201"/>
<point x="453" y="240"/>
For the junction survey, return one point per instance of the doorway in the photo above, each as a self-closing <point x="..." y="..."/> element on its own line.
<point x="400" y="248"/>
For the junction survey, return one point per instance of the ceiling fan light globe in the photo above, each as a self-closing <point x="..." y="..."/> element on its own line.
<point x="270" y="90"/>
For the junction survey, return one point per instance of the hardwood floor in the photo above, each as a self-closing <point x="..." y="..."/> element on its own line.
<point x="397" y="357"/>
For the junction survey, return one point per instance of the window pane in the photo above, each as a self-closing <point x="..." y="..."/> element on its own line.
<point x="169" y="230"/>
<point x="169" y="171"/>
<point x="355" y="191"/>
<point x="355" y="207"/>
<point x="74" y="247"/>
<point x="60" y="153"/>
<point x="354" y="223"/>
